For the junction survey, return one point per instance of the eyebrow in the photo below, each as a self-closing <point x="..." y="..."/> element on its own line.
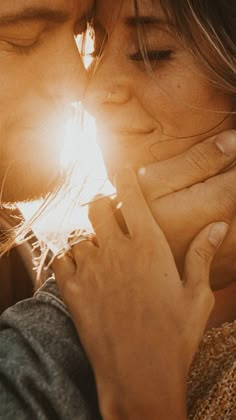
<point x="145" y="20"/>
<point x="35" y="13"/>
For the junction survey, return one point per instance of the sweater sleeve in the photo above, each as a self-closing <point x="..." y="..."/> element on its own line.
<point x="44" y="372"/>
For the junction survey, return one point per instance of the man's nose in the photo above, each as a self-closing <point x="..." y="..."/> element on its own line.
<point x="68" y="77"/>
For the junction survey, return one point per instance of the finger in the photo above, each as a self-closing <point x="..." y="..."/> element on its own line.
<point x="215" y="199"/>
<point x="221" y="193"/>
<point x="82" y="251"/>
<point x="212" y="200"/>
<point x="201" y="253"/>
<point x="225" y="262"/>
<point x="197" y="164"/>
<point x="133" y="205"/>
<point x="64" y="269"/>
<point x="102" y="218"/>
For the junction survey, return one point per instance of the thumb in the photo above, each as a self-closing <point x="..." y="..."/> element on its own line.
<point x="201" y="253"/>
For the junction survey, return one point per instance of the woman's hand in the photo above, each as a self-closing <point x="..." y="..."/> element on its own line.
<point x="140" y="324"/>
<point x="185" y="189"/>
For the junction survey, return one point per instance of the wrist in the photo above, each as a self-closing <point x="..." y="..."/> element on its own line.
<point x="115" y="410"/>
<point x="124" y="405"/>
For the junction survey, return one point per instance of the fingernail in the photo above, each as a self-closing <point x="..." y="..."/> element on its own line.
<point x="226" y="142"/>
<point x="218" y="233"/>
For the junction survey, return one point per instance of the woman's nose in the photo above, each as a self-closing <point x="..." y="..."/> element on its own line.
<point x="111" y="94"/>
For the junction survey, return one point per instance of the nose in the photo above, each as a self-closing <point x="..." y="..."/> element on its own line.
<point x="110" y="94"/>
<point x="108" y="87"/>
<point x="66" y="75"/>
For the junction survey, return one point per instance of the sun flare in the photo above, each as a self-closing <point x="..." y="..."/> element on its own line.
<point x="82" y="157"/>
<point x="68" y="210"/>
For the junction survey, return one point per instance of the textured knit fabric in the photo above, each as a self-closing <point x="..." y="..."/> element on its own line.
<point x="212" y="379"/>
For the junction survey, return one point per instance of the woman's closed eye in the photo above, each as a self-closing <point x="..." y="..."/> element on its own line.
<point x="151" y="55"/>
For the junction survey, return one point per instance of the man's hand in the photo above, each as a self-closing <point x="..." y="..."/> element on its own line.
<point x="184" y="194"/>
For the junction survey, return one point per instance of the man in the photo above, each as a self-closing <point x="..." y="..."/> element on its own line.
<point x="41" y="75"/>
<point x="44" y="372"/>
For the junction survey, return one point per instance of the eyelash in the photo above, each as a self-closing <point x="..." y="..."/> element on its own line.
<point x="153" y="55"/>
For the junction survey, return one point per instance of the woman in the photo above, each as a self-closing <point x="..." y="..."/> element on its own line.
<point x="166" y="81"/>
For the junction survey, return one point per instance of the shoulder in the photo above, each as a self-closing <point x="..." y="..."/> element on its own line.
<point x="42" y="362"/>
<point x="212" y="379"/>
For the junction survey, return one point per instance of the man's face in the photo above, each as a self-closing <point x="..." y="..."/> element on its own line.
<point x="41" y="75"/>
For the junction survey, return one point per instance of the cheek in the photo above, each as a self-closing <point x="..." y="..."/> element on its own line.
<point x="185" y="108"/>
<point x="16" y="77"/>
<point x="30" y="156"/>
<point x="31" y="135"/>
<point x="30" y="121"/>
<point x="19" y="104"/>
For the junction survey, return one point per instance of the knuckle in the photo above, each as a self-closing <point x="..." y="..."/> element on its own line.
<point x="226" y="204"/>
<point x="83" y="250"/>
<point x="68" y="289"/>
<point x="203" y="253"/>
<point x="199" y="160"/>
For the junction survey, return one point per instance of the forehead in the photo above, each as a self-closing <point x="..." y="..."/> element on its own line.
<point x="70" y="6"/>
<point x="150" y="7"/>
<point x="110" y="10"/>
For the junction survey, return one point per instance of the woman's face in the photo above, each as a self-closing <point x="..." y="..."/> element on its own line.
<point x="146" y="116"/>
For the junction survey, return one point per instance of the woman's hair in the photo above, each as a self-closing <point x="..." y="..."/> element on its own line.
<point x="209" y="30"/>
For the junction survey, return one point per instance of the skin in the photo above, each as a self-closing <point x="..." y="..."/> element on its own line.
<point x="41" y="74"/>
<point x="26" y="134"/>
<point x="141" y="121"/>
<point x="117" y="309"/>
<point x="38" y="102"/>
<point x="144" y="113"/>
<point x="112" y="302"/>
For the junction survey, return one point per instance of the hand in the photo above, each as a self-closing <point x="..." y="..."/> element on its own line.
<point x="140" y="324"/>
<point x="184" y="189"/>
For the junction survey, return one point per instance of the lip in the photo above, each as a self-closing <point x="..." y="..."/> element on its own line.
<point x="126" y="130"/>
<point x="134" y="137"/>
<point x="126" y="136"/>
<point x="134" y="132"/>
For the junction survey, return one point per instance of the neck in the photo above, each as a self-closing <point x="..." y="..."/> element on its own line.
<point x="225" y="307"/>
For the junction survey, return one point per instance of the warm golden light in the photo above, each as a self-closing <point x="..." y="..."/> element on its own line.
<point x="68" y="211"/>
<point x="82" y="157"/>
<point x="85" y="45"/>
